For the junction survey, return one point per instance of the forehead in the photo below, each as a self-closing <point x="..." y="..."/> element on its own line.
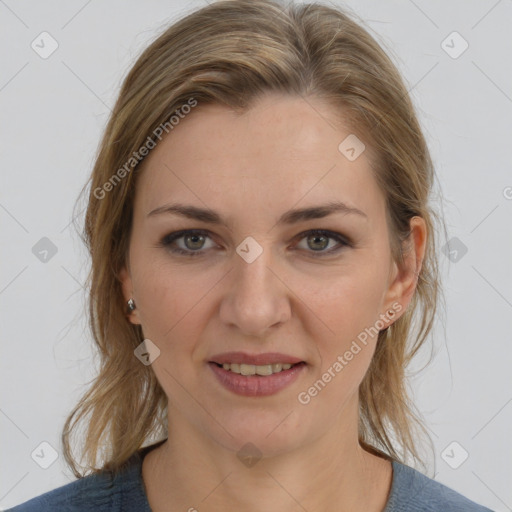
<point x="280" y="151"/>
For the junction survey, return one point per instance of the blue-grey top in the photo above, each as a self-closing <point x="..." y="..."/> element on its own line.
<point x="124" y="491"/>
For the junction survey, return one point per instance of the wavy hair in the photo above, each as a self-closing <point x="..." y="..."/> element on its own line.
<point x="231" y="52"/>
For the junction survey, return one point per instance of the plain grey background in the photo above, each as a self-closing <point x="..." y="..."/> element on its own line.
<point x="54" y="110"/>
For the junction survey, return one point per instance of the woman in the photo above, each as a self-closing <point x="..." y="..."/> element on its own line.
<point x="262" y="248"/>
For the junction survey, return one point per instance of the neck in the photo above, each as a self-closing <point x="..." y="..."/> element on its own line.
<point x="333" y="472"/>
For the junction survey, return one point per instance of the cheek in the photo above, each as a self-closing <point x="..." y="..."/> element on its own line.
<point x="347" y="303"/>
<point x="349" y="306"/>
<point x="171" y="300"/>
<point x="344" y="355"/>
<point x="159" y="293"/>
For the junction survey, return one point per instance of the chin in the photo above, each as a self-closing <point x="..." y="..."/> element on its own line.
<point x="270" y="433"/>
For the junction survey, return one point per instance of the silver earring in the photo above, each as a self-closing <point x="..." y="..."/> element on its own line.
<point x="131" y="304"/>
<point x="390" y="312"/>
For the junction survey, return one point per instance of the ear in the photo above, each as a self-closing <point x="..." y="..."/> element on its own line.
<point x="127" y="287"/>
<point x="404" y="278"/>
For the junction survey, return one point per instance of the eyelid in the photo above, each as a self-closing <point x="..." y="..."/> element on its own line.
<point x="327" y="232"/>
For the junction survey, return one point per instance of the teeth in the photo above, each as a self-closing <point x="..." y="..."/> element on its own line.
<point x="248" y="369"/>
<point x="251" y="369"/>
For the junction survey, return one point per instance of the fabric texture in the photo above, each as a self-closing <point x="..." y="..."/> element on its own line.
<point x="124" y="491"/>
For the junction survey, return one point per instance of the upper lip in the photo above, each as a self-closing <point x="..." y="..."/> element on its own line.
<point x="255" y="359"/>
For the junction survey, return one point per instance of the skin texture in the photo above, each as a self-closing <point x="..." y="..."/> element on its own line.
<point x="281" y="154"/>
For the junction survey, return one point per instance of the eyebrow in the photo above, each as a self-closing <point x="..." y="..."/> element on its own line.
<point x="289" y="217"/>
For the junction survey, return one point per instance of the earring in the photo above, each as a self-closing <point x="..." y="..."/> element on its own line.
<point x="390" y="314"/>
<point x="131" y="305"/>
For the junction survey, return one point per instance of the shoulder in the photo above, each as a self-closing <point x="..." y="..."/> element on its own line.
<point x="95" y="490"/>
<point x="98" y="492"/>
<point x="411" y="491"/>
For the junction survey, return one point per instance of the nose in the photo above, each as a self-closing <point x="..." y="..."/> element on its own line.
<point x="257" y="297"/>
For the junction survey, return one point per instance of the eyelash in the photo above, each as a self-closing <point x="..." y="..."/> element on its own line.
<point x="172" y="237"/>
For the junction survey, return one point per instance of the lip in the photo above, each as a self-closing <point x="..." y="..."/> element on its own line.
<point x="255" y="359"/>
<point x="257" y="385"/>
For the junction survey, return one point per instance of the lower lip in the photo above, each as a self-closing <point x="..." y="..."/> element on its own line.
<point x="257" y="385"/>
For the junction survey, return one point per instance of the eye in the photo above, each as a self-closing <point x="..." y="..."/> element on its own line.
<point x="193" y="241"/>
<point x="319" y="239"/>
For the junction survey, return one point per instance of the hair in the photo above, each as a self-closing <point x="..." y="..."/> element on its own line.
<point x="231" y="53"/>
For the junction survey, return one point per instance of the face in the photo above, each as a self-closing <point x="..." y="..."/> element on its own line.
<point x="259" y="282"/>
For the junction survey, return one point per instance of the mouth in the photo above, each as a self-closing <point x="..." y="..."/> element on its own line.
<point x="261" y="370"/>
<point x="260" y="380"/>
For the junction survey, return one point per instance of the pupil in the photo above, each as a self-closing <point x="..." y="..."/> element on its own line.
<point x="319" y="237"/>
<point x="189" y="237"/>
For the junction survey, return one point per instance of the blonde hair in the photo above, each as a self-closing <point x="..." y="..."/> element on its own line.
<point x="230" y="53"/>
